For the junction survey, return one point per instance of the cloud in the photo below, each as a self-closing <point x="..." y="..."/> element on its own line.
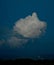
<point x="30" y="26"/>
<point x="16" y="42"/>
<point x="23" y="30"/>
<point x="2" y="41"/>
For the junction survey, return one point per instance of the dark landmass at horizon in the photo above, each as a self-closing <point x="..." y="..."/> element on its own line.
<point x="27" y="61"/>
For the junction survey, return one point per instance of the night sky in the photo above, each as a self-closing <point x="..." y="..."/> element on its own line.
<point x="13" y="10"/>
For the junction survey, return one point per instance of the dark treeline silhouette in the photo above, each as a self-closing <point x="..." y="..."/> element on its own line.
<point x="27" y="61"/>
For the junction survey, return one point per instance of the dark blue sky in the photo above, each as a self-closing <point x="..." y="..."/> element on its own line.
<point x="12" y="10"/>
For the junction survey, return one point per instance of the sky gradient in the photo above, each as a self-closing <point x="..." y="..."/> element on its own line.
<point x="13" y="10"/>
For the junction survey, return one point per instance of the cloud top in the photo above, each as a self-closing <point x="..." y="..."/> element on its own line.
<point x="30" y="26"/>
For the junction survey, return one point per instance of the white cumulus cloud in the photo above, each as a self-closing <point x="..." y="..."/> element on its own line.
<point x="30" y="26"/>
<point x="25" y="29"/>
